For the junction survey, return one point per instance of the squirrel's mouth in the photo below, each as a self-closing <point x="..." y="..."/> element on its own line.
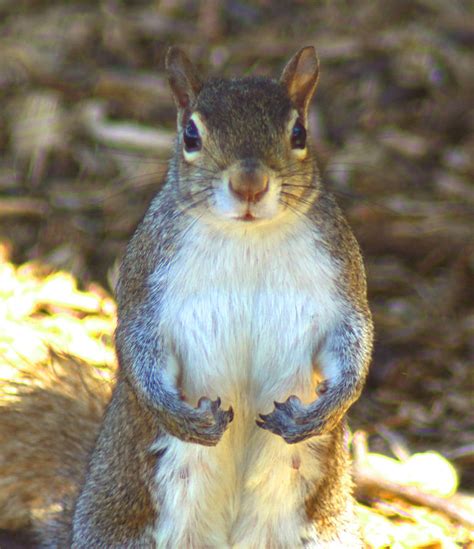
<point x="246" y="217"/>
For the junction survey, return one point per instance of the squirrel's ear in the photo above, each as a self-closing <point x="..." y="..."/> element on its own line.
<point x="183" y="78"/>
<point x="300" y="77"/>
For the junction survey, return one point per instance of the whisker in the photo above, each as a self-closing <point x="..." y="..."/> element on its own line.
<point x="208" y="170"/>
<point x="297" y="198"/>
<point x="214" y="159"/>
<point x="191" y="196"/>
<point x="296" y="211"/>
<point x="299" y="186"/>
<point x="191" y="224"/>
<point x="150" y="157"/>
<point x="194" y="204"/>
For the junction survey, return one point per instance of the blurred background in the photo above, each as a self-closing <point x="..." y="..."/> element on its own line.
<point x="87" y="122"/>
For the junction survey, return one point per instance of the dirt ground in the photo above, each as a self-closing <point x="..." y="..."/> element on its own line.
<point x="87" y="123"/>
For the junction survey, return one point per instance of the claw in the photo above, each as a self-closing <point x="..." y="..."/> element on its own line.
<point x="322" y="387"/>
<point x="262" y="424"/>
<point x="230" y="412"/>
<point x="264" y="417"/>
<point x="204" y="401"/>
<point x="279" y="405"/>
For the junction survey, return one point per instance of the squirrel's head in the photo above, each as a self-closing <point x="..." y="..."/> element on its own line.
<point x="243" y="147"/>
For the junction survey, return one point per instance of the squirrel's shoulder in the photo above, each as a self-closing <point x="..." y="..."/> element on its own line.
<point x="154" y="240"/>
<point x="335" y="234"/>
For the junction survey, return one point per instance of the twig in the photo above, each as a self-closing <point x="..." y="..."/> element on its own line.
<point x="369" y="482"/>
<point x="463" y="453"/>
<point x="124" y="134"/>
<point x="23" y="206"/>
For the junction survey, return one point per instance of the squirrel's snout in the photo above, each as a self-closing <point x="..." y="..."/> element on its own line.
<point x="249" y="185"/>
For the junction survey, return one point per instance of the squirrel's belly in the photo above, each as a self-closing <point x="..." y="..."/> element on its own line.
<point x="248" y="351"/>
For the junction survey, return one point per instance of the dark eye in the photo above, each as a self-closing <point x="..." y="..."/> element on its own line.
<point x="298" y="136"/>
<point x="191" y="137"/>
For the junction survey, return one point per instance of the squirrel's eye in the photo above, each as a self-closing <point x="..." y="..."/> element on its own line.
<point x="298" y="136"/>
<point x="191" y="137"/>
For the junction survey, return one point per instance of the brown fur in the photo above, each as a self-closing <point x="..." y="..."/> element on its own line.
<point x="327" y="505"/>
<point x="122" y="459"/>
<point x="50" y="416"/>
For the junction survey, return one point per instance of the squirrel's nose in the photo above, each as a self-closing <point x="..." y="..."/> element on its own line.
<point x="249" y="185"/>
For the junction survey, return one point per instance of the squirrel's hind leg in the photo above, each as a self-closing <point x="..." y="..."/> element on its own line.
<point x="330" y="507"/>
<point x="115" y="507"/>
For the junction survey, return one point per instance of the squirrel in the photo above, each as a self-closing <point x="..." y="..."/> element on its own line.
<point x="243" y="337"/>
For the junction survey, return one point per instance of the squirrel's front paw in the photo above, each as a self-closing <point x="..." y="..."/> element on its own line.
<point x="207" y="422"/>
<point x="295" y="422"/>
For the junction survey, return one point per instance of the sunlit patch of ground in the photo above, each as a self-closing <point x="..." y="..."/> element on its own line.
<point x="42" y="311"/>
<point x="59" y="338"/>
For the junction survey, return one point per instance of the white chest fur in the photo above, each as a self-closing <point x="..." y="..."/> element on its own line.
<point x="245" y="314"/>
